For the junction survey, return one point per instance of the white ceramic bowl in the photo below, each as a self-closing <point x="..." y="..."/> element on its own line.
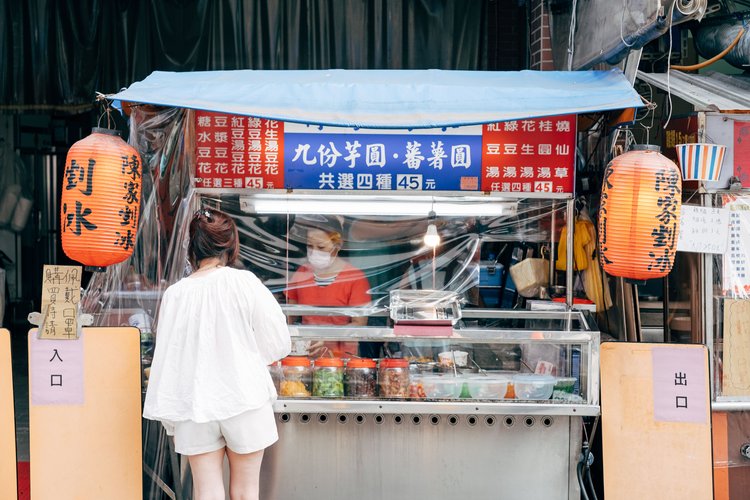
<point x="531" y="386"/>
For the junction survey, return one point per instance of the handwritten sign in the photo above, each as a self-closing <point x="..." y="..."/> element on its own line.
<point x="703" y="230"/>
<point x="736" y="353"/>
<point x="56" y="371"/>
<point x="680" y="385"/>
<point x="736" y="280"/>
<point x="61" y="292"/>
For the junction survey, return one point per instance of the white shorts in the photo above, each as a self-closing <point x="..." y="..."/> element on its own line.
<point x="247" y="432"/>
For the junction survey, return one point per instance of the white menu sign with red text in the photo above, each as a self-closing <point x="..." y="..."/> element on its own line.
<point x="535" y="155"/>
<point x="235" y="151"/>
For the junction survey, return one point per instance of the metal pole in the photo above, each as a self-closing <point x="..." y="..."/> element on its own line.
<point x="552" y="275"/>
<point x="569" y="244"/>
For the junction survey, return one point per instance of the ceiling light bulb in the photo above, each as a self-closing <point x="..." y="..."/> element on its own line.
<point x="431" y="237"/>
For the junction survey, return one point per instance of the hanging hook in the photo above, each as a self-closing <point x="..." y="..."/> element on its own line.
<point x="106" y="105"/>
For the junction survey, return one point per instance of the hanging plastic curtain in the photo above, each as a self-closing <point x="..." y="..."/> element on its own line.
<point x="639" y="214"/>
<point x="100" y="199"/>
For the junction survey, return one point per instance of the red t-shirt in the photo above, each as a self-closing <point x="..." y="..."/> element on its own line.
<point x="349" y="288"/>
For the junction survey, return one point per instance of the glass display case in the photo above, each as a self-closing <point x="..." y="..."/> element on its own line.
<point x="475" y="369"/>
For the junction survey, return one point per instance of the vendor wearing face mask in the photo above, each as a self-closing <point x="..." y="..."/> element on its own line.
<point x="329" y="280"/>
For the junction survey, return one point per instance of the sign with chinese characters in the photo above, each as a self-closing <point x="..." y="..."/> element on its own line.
<point x="97" y="406"/>
<point x="638" y="384"/>
<point x="703" y="229"/>
<point x="742" y="151"/>
<point x="61" y="292"/>
<point x="680" y="385"/>
<point x="736" y="262"/>
<point x="535" y="155"/>
<point x="56" y="371"/>
<point x="234" y="151"/>
<point x="334" y="158"/>
<point x="680" y="131"/>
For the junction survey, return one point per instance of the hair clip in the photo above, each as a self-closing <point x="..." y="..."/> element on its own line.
<point x="204" y="212"/>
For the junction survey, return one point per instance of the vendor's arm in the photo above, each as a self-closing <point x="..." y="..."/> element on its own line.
<point x="359" y="296"/>
<point x="359" y="321"/>
<point x="291" y="319"/>
<point x="292" y="297"/>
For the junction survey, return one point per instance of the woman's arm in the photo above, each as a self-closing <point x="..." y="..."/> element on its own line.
<point x="269" y="325"/>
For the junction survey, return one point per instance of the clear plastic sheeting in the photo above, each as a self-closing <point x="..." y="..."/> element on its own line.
<point x="382" y="238"/>
<point x="389" y="250"/>
<point x="379" y="237"/>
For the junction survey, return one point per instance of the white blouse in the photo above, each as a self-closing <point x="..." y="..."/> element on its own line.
<point x="215" y="337"/>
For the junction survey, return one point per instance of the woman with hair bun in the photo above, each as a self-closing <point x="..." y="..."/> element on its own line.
<point x="218" y="330"/>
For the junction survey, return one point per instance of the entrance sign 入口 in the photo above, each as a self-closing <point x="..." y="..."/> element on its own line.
<point x="56" y="371"/>
<point x="61" y="292"/>
<point x="703" y="229"/>
<point x="91" y="449"/>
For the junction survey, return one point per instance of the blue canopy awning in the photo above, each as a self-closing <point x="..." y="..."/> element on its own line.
<point x="395" y="99"/>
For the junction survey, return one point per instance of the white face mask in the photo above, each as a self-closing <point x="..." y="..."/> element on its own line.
<point x="319" y="259"/>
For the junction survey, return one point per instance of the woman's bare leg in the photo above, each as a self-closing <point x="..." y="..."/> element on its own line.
<point x="244" y="475"/>
<point x="208" y="475"/>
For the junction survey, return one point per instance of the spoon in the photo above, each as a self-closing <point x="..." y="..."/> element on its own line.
<point x="481" y="370"/>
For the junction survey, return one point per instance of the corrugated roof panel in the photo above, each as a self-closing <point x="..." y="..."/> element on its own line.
<point x="707" y="92"/>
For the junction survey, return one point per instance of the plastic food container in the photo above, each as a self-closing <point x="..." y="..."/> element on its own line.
<point x="328" y="378"/>
<point x="565" y="384"/>
<point x="488" y="387"/>
<point x="360" y="378"/>
<point x="416" y="386"/>
<point x="296" y="379"/>
<point x="277" y="375"/>
<point x="442" y="386"/>
<point x="393" y="378"/>
<point x="531" y="386"/>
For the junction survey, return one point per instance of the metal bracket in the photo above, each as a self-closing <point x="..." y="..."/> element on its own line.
<point x="37" y="319"/>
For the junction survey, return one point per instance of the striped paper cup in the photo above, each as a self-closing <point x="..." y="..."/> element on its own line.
<point x="700" y="162"/>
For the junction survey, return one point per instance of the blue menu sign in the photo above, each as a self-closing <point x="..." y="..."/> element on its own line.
<point x="331" y="158"/>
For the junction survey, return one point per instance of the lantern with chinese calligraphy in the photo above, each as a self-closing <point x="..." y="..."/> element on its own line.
<point x="101" y="198"/>
<point x="639" y="214"/>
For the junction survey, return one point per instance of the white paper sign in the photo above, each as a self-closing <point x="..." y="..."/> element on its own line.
<point x="703" y="230"/>
<point x="736" y="282"/>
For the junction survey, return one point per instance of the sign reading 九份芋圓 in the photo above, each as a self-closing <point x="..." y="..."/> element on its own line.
<point x="535" y="155"/>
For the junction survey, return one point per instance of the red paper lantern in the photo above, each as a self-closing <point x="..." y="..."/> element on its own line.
<point x="101" y="199"/>
<point x="639" y="214"/>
